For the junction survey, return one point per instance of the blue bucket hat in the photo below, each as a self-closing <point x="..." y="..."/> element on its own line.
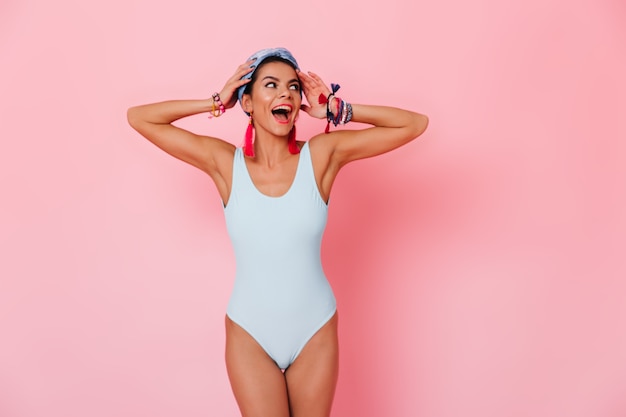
<point x="259" y="57"/>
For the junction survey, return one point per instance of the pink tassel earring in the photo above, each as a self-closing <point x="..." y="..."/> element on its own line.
<point x="248" y="147"/>
<point x="291" y="141"/>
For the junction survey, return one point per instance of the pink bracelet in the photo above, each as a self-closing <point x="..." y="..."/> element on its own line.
<point x="217" y="107"/>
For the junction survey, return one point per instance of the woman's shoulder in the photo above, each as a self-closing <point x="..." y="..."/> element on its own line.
<point x="323" y="145"/>
<point x="220" y="154"/>
<point x="320" y="142"/>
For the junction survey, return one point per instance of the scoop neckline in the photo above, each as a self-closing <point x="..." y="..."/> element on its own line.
<point x="293" y="181"/>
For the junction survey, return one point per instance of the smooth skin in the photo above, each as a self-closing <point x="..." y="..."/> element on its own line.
<point x="307" y="387"/>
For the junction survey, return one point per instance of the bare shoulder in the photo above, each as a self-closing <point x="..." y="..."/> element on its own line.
<point x="321" y="145"/>
<point x="221" y="156"/>
<point x="324" y="148"/>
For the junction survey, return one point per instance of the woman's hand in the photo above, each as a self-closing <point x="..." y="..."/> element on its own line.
<point x="312" y="87"/>
<point x="228" y="95"/>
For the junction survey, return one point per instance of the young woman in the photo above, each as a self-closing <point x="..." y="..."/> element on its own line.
<point x="281" y="321"/>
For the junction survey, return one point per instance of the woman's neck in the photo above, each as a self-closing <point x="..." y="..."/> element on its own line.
<point x="270" y="150"/>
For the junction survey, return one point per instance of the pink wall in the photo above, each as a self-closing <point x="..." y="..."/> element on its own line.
<point x="479" y="270"/>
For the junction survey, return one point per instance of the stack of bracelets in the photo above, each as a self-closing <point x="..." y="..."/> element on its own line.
<point x="217" y="107"/>
<point x="343" y="110"/>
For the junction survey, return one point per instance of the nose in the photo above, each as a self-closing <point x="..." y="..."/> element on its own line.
<point x="284" y="92"/>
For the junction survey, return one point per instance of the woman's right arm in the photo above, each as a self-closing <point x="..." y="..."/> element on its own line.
<point x="154" y="122"/>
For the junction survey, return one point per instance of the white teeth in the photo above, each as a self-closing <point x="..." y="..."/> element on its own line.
<point x="286" y="108"/>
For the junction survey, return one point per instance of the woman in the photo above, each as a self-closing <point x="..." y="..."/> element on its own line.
<point x="281" y="321"/>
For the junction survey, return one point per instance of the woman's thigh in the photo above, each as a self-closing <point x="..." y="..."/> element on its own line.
<point x="312" y="378"/>
<point x="257" y="382"/>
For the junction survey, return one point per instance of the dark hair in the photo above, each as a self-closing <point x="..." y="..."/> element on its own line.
<point x="248" y="89"/>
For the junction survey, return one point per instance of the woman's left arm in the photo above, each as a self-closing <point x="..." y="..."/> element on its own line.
<point x="391" y="127"/>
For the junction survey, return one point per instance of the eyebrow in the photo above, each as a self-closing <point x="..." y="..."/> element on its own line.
<point x="276" y="79"/>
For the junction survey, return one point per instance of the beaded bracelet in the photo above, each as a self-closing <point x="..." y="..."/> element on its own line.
<point x="344" y="109"/>
<point x="217" y="107"/>
<point x="348" y="114"/>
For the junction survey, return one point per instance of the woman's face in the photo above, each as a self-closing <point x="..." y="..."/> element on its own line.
<point x="275" y="98"/>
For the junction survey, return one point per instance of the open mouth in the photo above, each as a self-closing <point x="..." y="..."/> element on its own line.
<point x="281" y="113"/>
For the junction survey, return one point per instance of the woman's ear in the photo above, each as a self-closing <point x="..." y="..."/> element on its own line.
<point x="246" y="103"/>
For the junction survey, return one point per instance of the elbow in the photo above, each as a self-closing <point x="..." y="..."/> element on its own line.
<point x="131" y="116"/>
<point x="134" y="117"/>
<point x="424" y="123"/>
<point x="419" y="125"/>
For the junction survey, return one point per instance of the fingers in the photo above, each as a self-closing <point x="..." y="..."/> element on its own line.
<point x="316" y="77"/>
<point x="243" y="69"/>
<point x="239" y="83"/>
<point x="228" y="93"/>
<point x="312" y="82"/>
<point x="306" y="79"/>
<point x="247" y="64"/>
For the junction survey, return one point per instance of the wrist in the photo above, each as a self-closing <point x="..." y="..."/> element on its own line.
<point x="337" y="110"/>
<point x="217" y="107"/>
<point x="334" y="105"/>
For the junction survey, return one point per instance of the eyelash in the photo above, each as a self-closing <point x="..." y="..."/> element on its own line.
<point x="272" y="84"/>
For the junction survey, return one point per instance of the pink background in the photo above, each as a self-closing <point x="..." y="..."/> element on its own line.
<point x="479" y="271"/>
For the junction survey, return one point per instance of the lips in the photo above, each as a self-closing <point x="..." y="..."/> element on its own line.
<point x="282" y="112"/>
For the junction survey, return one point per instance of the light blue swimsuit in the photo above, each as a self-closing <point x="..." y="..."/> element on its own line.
<point x="281" y="296"/>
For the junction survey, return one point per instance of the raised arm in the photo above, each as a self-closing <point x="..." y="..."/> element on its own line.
<point x="392" y="127"/>
<point x="154" y="122"/>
